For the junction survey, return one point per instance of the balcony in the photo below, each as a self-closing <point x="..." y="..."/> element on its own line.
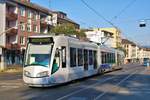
<point x="12" y="46"/>
<point x="12" y="32"/>
<point x="11" y="16"/>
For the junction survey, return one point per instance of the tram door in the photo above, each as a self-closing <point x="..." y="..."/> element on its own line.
<point x="85" y="59"/>
<point x="59" y="64"/>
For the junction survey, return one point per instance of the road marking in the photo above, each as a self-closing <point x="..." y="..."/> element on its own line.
<point x="134" y="92"/>
<point x="126" y="78"/>
<point x="10" y="86"/>
<point x="90" y="86"/>
<point x="13" y="83"/>
<point x="77" y="98"/>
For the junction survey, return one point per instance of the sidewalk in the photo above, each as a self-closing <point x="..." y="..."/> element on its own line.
<point x="13" y="69"/>
<point x="147" y="71"/>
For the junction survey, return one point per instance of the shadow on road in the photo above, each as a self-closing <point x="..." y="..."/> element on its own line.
<point x="135" y="87"/>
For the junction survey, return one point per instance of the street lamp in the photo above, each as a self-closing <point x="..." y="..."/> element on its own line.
<point x="142" y="23"/>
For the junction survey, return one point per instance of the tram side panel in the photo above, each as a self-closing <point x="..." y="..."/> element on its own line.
<point x="83" y="60"/>
<point x="60" y="59"/>
<point x="108" y="59"/>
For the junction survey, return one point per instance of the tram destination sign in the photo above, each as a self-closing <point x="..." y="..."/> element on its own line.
<point x="45" y="40"/>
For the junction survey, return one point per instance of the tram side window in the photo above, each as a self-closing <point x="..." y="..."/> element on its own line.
<point x="56" y="62"/>
<point x="63" y="55"/>
<point x="85" y="59"/>
<point x="90" y="57"/>
<point x="95" y="60"/>
<point x="113" y="58"/>
<point x="103" y="57"/>
<point x="80" y="57"/>
<point x="73" y="57"/>
<point x="109" y="57"/>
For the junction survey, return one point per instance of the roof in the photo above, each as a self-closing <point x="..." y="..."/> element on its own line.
<point x="42" y="9"/>
<point x="126" y="41"/>
<point x="70" y="20"/>
<point x="33" y="6"/>
<point x="146" y="48"/>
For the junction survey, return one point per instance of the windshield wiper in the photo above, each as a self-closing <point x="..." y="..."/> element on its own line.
<point x="34" y="64"/>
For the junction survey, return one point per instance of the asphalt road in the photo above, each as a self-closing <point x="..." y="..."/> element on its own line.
<point x="130" y="83"/>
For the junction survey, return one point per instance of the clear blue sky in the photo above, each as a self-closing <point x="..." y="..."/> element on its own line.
<point x="128" y="21"/>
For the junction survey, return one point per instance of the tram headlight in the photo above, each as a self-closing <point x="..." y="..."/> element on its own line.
<point x="26" y="73"/>
<point x="43" y="74"/>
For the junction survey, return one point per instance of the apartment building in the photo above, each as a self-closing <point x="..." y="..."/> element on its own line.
<point x="116" y="36"/>
<point x="24" y="18"/>
<point x="144" y="53"/>
<point x="101" y="36"/>
<point x="60" y="17"/>
<point x="132" y="50"/>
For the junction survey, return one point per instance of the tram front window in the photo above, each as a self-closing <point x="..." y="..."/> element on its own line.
<point x="38" y="55"/>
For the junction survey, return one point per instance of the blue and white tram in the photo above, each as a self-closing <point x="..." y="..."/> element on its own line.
<point x="52" y="60"/>
<point x="108" y="58"/>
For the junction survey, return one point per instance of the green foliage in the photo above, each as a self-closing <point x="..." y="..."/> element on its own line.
<point x="67" y="29"/>
<point x="81" y="33"/>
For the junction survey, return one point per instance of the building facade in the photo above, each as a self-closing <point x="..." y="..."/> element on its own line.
<point x="103" y="36"/>
<point x="134" y="52"/>
<point x="61" y="18"/>
<point x="22" y="18"/>
<point x="144" y="53"/>
<point x="116" y="36"/>
<point x="131" y="49"/>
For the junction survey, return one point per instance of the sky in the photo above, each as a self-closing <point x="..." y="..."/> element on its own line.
<point x="128" y="21"/>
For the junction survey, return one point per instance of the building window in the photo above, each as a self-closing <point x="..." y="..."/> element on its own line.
<point x="29" y="27"/>
<point x="22" y="40"/>
<point x="29" y="14"/>
<point x="35" y="28"/>
<point x="22" y="11"/>
<point x="73" y="57"/>
<point x="22" y="26"/>
<point x="35" y="16"/>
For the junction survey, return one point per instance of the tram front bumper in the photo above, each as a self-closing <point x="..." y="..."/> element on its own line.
<point x="37" y="82"/>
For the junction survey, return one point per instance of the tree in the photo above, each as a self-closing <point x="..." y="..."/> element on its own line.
<point x="68" y="29"/>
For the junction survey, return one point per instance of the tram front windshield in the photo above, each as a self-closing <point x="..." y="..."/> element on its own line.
<point x="38" y="55"/>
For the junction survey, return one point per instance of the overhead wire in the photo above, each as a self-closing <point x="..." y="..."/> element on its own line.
<point x="97" y="13"/>
<point x="100" y="15"/>
<point x="124" y="9"/>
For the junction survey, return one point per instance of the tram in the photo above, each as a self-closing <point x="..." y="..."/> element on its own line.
<point x="52" y="60"/>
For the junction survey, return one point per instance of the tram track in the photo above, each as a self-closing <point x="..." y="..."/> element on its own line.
<point x="118" y="77"/>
